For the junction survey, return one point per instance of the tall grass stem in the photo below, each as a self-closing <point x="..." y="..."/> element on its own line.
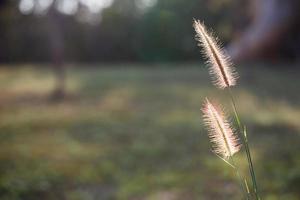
<point x="243" y="182"/>
<point x="243" y="134"/>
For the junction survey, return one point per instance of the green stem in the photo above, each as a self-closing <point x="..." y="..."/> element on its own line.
<point x="231" y="161"/>
<point x="251" y="165"/>
<point x="241" y="180"/>
<point x="243" y="134"/>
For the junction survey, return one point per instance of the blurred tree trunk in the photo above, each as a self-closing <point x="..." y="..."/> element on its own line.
<point x="272" y="23"/>
<point x="55" y="35"/>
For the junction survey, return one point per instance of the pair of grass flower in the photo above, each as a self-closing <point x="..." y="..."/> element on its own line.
<point x="224" y="138"/>
<point x="225" y="141"/>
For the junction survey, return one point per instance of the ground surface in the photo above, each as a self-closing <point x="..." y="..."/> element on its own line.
<point x="135" y="132"/>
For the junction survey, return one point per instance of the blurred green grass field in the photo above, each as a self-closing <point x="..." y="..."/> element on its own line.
<point x="135" y="132"/>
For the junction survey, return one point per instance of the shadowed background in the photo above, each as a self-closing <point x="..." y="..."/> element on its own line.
<point x="100" y="99"/>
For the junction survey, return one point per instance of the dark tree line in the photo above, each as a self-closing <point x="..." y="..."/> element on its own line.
<point x="124" y="33"/>
<point x="160" y="33"/>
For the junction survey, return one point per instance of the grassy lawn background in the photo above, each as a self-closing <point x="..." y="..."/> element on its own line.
<point x="135" y="132"/>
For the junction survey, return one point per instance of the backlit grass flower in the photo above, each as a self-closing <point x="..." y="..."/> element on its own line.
<point x="225" y="142"/>
<point x="221" y="69"/>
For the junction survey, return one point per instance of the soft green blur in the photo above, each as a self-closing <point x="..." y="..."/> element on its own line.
<point x="135" y="132"/>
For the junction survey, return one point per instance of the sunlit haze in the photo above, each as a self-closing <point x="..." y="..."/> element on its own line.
<point x="68" y="7"/>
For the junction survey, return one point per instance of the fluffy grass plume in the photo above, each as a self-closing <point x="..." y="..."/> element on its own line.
<point x="221" y="69"/>
<point x="225" y="141"/>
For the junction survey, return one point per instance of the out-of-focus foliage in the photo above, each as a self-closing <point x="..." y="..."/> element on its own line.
<point x="123" y="31"/>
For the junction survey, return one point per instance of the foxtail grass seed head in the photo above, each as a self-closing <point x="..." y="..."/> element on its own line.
<point x="222" y="72"/>
<point x="225" y="142"/>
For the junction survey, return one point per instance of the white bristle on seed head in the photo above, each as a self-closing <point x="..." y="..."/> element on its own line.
<point x="222" y="72"/>
<point x="225" y="142"/>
